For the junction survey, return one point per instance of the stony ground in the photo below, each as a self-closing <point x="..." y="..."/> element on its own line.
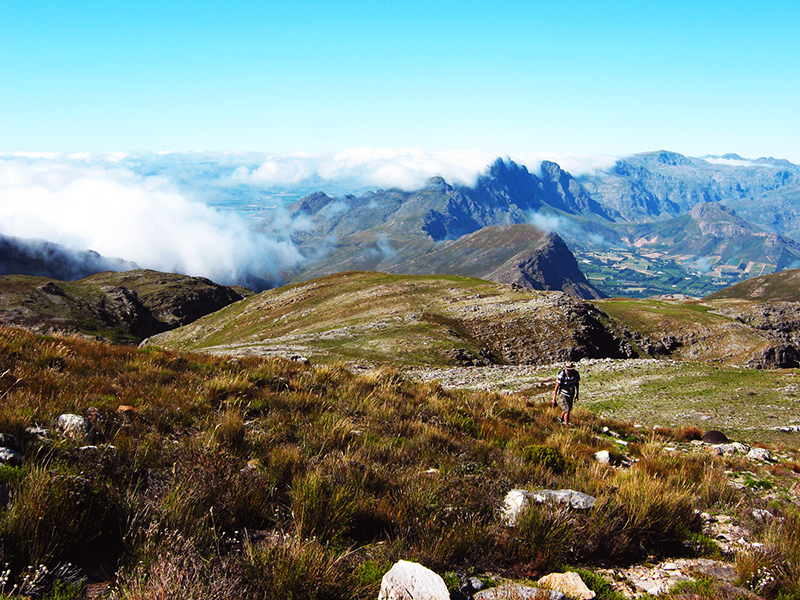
<point x="747" y="404"/>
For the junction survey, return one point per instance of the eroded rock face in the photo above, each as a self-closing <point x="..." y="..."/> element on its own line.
<point x="556" y="327"/>
<point x="411" y="581"/>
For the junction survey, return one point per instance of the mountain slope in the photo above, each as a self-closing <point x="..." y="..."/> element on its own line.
<point x="40" y="258"/>
<point x="121" y="307"/>
<point x="407" y="319"/>
<point x="437" y="320"/>
<point x="660" y="185"/>
<point x="482" y="231"/>
<point x="777" y="287"/>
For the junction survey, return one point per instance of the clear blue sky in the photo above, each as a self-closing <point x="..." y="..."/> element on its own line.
<point x="584" y="77"/>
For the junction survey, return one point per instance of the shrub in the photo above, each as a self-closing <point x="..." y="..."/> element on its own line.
<point x="544" y="456"/>
<point x="55" y="516"/>
<point x="172" y="567"/>
<point x="320" y="509"/>
<point x="641" y="516"/>
<point x="544" y="536"/>
<point x="229" y="431"/>
<point x="598" y="585"/>
<point x="774" y="571"/>
<point x="286" y="567"/>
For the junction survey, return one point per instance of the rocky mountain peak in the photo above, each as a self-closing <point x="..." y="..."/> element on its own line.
<point x="716" y="220"/>
<point x="438" y="183"/>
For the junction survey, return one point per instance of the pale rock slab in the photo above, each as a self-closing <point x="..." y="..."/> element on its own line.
<point x="569" y="584"/>
<point x="411" y="581"/>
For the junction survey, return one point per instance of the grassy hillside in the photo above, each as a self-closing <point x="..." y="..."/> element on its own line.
<point x="449" y="320"/>
<point x="121" y="307"/>
<point x="371" y="316"/>
<point x="266" y="478"/>
<point x="694" y="330"/>
<point x="778" y="287"/>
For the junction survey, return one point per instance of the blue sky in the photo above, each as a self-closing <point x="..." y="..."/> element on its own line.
<point x="583" y="77"/>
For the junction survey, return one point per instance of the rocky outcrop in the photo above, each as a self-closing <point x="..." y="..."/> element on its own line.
<point x="516" y="501"/>
<point x="550" y="267"/>
<point x="558" y="328"/>
<point x="570" y="584"/>
<point x="125" y="307"/>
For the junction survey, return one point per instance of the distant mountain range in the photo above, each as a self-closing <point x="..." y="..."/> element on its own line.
<point x="655" y="223"/>
<point x="652" y="223"/>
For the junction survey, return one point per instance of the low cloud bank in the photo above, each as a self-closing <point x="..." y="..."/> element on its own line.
<point x="405" y="169"/>
<point x="153" y="208"/>
<point x="144" y="219"/>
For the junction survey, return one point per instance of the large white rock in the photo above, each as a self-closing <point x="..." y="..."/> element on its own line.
<point x="411" y="581"/>
<point x="603" y="457"/>
<point x="516" y="501"/>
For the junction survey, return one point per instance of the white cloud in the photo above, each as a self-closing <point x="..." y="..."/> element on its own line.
<point x="119" y="213"/>
<point x="575" y="164"/>
<point x="407" y="169"/>
<point x="731" y="162"/>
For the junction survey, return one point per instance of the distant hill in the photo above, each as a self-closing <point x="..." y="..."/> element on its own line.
<point x="120" y="307"/>
<point x="777" y="287"/>
<point x="447" y="320"/>
<point x="440" y="320"/>
<point x="40" y="258"/>
<point x="708" y="248"/>
<point x="661" y="185"/>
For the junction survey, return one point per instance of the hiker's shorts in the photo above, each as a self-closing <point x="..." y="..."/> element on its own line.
<point x="565" y="402"/>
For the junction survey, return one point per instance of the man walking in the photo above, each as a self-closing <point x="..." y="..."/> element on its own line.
<point x="566" y="392"/>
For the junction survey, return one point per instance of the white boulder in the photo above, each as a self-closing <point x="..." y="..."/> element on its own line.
<point x="411" y="581"/>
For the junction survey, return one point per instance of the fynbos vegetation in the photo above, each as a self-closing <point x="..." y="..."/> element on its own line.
<point x="206" y="477"/>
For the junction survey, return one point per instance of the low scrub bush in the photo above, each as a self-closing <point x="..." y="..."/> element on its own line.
<point x="321" y="510"/>
<point x="544" y="456"/>
<point x="543" y="539"/>
<point x="55" y="516"/>
<point x="640" y="516"/>
<point x="287" y="567"/>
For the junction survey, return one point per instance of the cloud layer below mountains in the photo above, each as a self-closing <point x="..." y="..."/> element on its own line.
<point x="405" y="169"/>
<point x="145" y="219"/>
<point x="153" y="208"/>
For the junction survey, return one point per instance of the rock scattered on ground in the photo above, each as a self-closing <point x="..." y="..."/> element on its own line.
<point x="516" y="591"/>
<point x="517" y="500"/>
<point x="570" y="584"/>
<point x="411" y="581"/>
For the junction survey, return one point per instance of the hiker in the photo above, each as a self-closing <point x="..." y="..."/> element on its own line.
<point x="566" y="392"/>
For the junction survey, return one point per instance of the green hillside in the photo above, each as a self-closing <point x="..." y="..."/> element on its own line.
<point x="404" y="319"/>
<point x="777" y="287"/>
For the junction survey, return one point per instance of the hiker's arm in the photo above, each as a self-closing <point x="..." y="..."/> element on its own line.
<point x="555" y="394"/>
